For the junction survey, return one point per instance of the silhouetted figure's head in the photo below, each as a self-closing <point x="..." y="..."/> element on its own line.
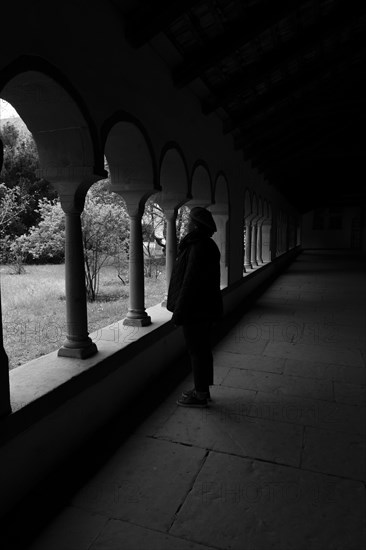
<point x="200" y="218"/>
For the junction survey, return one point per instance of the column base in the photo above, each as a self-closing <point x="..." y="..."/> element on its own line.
<point x="248" y="266"/>
<point x="78" y="353"/>
<point x="137" y="321"/>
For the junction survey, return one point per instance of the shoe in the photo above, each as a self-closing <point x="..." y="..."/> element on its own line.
<point x="192" y="400"/>
<point x="187" y="393"/>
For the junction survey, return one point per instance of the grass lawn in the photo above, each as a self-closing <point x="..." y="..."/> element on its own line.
<point x="34" y="309"/>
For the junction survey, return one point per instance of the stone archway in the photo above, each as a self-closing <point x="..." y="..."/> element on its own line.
<point x="201" y="187"/>
<point x="133" y="176"/>
<point x="70" y="160"/>
<point x="247" y="231"/>
<point x="174" y="182"/>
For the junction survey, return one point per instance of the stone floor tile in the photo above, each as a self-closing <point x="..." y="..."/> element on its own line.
<point x="120" y="535"/>
<point x="234" y="344"/>
<point x="265" y="468"/>
<point x="269" y="329"/>
<point x="279" y="384"/>
<point x="329" y="415"/>
<point x="329" y="371"/>
<point x="72" y="529"/>
<point x="168" y="407"/>
<point x="241" y="504"/>
<point x="329" y="452"/>
<point x="308" y="369"/>
<point x="249" y="362"/>
<point x="349" y="375"/>
<point x="160" y="415"/>
<point x="220" y="370"/>
<point x="317" y="353"/>
<point x="225" y="426"/>
<point x="350" y="393"/>
<point x="132" y="485"/>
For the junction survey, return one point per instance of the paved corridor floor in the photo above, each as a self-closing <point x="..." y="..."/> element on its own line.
<point x="278" y="459"/>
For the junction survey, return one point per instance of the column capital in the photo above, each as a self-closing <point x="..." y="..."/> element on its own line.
<point x="251" y="218"/>
<point x="170" y="202"/>
<point x="219" y="209"/>
<point x="72" y="184"/>
<point x="171" y="214"/>
<point x="205" y="203"/>
<point x="134" y="198"/>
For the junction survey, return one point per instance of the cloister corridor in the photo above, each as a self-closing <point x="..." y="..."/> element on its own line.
<point x="277" y="461"/>
<point x="254" y="110"/>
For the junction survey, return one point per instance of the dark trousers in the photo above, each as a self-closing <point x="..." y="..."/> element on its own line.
<point x="199" y="345"/>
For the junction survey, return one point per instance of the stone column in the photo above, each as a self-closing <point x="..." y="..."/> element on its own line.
<point x="298" y="232"/>
<point x="287" y="233"/>
<point x="135" y="201"/>
<point x="219" y="212"/>
<point x="136" y="315"/>
<point x="170" y="247"/>
<point x="253" y="248"/>
<point x="5" y="407"/>
<point x="72" y="184"/>
<point x="259" y="241"/>
<point x="274" y="235"/>
<point x="248" y="246"/>
<point x="78" y="343"/>
<point x="170" y="202"/>
<point x="266" y="240"/>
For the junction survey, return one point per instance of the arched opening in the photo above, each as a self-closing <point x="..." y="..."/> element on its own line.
<point x="220" y="212"/>
<point x="174" y="184"/>
<point x="58" y="139"/>
<point x="133" y="176"/>
<point x="259" y="242"/>
<point x="201" y="188"/>
<point x="254" y="232"/>
<point x="247" y="231"/>
<point x="266" y="233"/>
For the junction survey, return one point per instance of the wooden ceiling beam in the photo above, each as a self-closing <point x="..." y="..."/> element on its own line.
<point x="154" y="17"/>
<point x="307" y="85"/>
<point x="275" y="136"/>
<point x="305" y="40"/>
<point x="260" y="18"/>
<point x="293" y="118"/>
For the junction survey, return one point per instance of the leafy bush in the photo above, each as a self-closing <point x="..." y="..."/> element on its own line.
<point x="43" y="243"/>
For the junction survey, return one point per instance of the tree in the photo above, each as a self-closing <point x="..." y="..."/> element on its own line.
<point x="19" y="170"/>
<point x="105" y="234"/>
<point x="12" y="204"/>
<point x="182" y="221"/>
<point x="153" y="227"/>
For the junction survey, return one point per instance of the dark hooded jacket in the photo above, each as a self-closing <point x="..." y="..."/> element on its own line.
<point x="194" y="294"/>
